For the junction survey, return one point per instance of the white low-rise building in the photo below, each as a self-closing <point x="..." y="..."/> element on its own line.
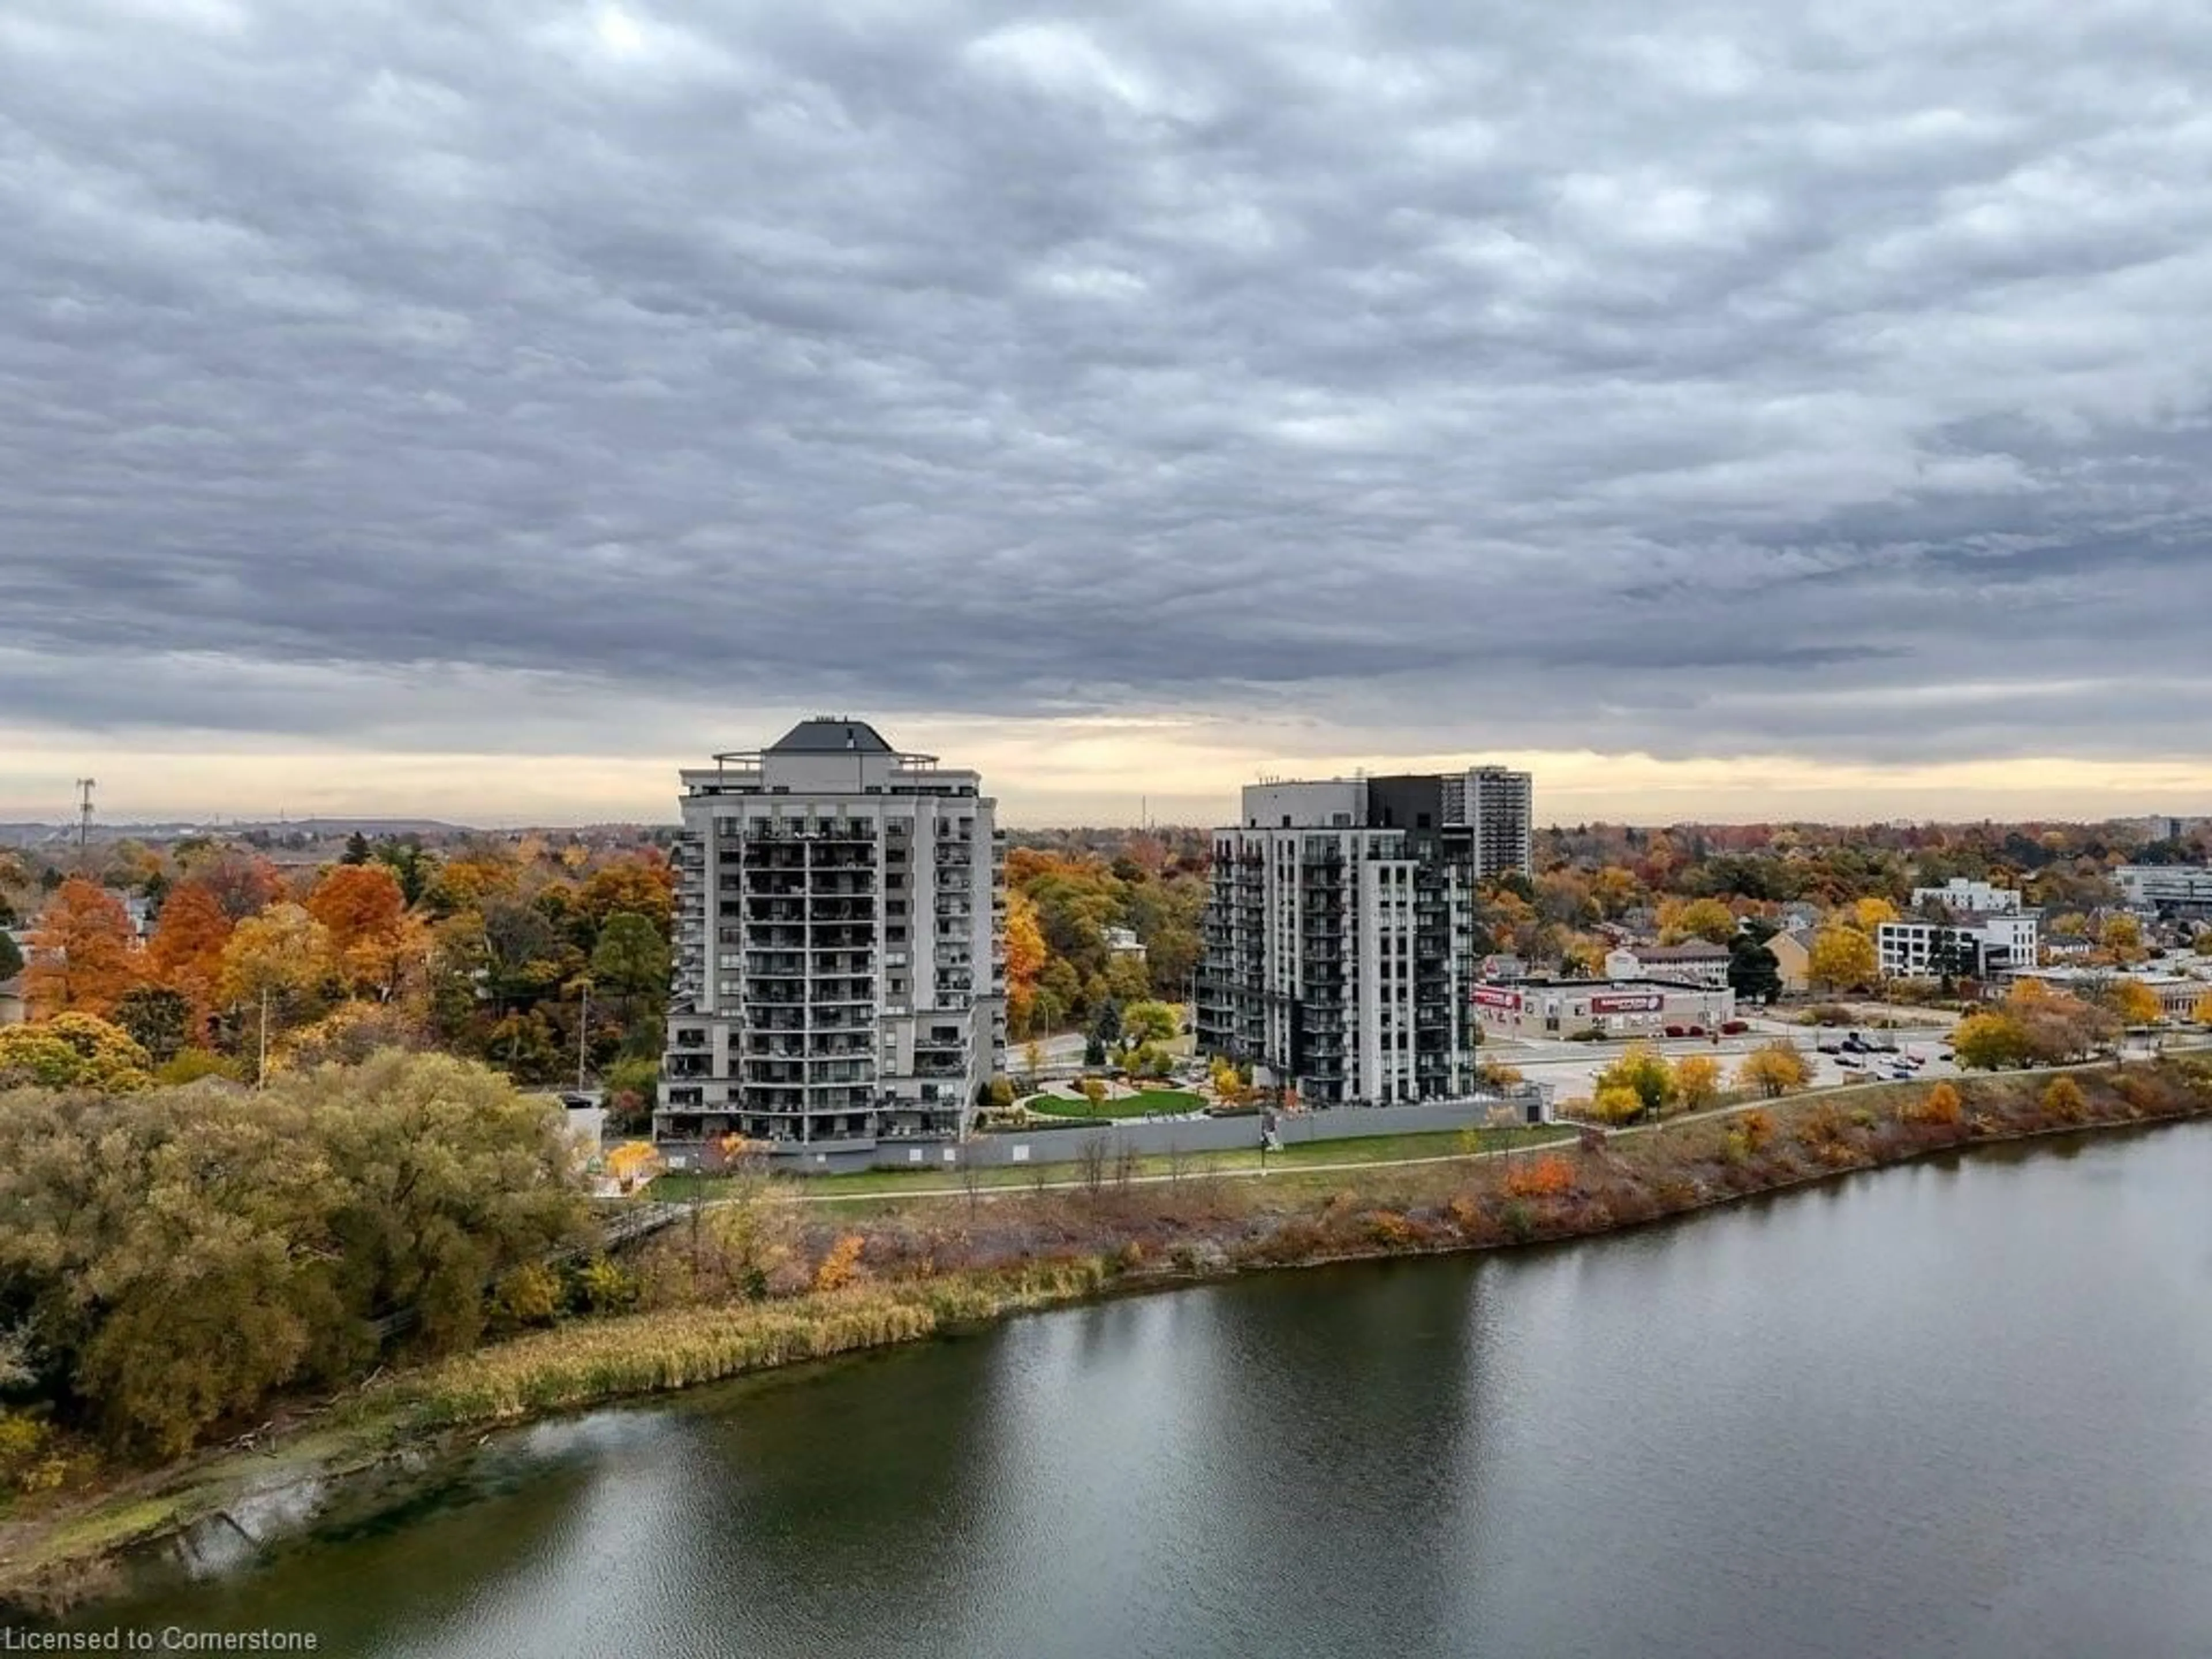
<point x="1696" y="962"/>
<point x="1969" y="898"/>
<point x="1988" y="945"/>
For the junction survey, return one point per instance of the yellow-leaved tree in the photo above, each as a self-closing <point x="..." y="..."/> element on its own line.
<point x="2134" y="1002"/>
<point x="1697" y="1081"/>
<point x="1774" y="1070"/>
<point x="1842" y="958"/>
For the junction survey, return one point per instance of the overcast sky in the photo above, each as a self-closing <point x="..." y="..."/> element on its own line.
<point x="1731" y="409"/>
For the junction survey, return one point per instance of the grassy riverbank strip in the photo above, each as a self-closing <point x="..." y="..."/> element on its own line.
<point x="765" y="1283"/>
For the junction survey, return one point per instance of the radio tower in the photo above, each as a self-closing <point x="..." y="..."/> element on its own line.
<point x="83" y="816"/>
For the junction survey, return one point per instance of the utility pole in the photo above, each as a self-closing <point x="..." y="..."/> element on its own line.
<point x="84" y="787"/>
<point x="261" y="1066"/>
<point x="583" y="1035"/>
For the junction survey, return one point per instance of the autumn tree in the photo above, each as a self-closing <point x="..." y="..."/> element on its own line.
<point x="1707" y="919"/>
<point x="2134" y="1002"/>
<point x="642" y="885"/>
<point x="185" y="953"/>
<point x="1616" y="1105"/>
<point x="2065" y="1100"/>
<point x="275" y="967"/>
<point x="2121" y="936"/>
<point x="72" y="1051"/>
<point x="2202" y="1012"/>
<point x="1644" y="1071"/>
<point x="244" y="884"/>
<point x="243" y="1245"/>
<point x="1774" y="1070"/>
<point x="1616" y="891"/>
<point x="1842" y="958"/>
<point x="376" y="946"/>
<point x="1149" y="1022"/>
<point x="1697" y="1081"/>
<point x="1868" y="913"/>
<point x="1989" y="1042"/>
<point x="2055" y="1026"/>
<point x="83" y="953"/>
<point x="1228" y="1085"/>
<point x="1941" y="1104"/>
<point x="1026" y="956"/>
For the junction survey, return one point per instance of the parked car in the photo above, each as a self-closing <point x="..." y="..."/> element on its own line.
<point x="1829" y="1048"/>
<point x="1849" y="1064"/>
<point x="1695" y="1030"/>
<point x="1676" y="1030"/>
<point x="1734" y="1027"/>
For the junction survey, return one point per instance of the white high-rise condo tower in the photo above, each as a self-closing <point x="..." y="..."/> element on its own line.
<point x="840" y="973"/>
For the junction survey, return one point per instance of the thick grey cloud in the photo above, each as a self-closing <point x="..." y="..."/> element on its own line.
<point x="1719" y="378"/>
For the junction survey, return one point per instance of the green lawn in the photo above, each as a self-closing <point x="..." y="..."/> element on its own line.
<point x="1169" y="1101"/>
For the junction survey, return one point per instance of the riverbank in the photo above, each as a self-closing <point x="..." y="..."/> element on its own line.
<point x="907" y="1270"/>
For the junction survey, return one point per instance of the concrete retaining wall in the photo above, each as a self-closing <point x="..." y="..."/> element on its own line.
<point x="1217" y="1134"/>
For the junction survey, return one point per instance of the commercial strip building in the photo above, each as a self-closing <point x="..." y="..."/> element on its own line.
<point x="1617" y="1007"/>
<point x="2167" y="889"/>
<point x="2178" y="986"/>
<point x="1339" y="931"/>
<point x="1989" y="944"/>
<point x="839" y="968"/>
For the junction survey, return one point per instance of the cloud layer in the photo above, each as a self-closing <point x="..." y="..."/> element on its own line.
<point x="1824" y="381"/>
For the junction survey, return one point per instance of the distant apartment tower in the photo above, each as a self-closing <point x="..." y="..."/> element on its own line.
<point x="1498" y="807"/>
<point x="1339" y="931"/>
<point x="839" y="975"/>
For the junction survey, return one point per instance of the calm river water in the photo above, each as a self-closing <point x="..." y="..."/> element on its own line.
<point x="1960" y="1409"/>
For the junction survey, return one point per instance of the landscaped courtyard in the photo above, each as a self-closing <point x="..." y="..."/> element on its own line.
<point x="1122" y="1101"/>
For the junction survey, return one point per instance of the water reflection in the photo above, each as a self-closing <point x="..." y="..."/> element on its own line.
<point x="1954" y="1409"/>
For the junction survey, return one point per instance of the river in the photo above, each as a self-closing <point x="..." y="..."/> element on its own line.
<point x="1955" y="1408"/>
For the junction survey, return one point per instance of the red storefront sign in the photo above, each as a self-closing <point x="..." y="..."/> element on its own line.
<point x="1489" y="996"/>
<point x="1640" y="1002"/>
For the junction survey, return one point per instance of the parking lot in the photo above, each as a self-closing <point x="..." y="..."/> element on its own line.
<point x="1571" y="1069"/>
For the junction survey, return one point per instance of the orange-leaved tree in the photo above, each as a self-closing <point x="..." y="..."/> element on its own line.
<point x="185" y="953"/>
<point x="371" y="938"/>
<point x="84" y="953"/>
